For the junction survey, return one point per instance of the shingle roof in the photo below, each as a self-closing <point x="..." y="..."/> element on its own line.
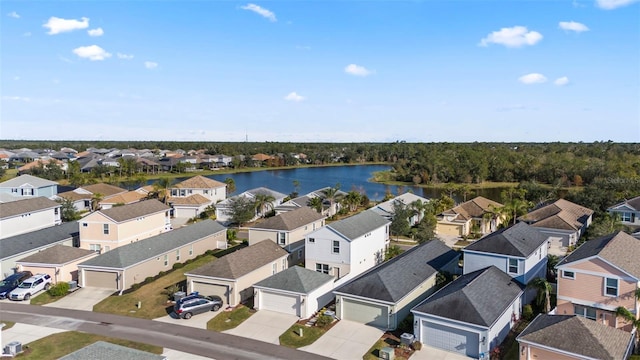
<point x="34" y="181"/>
<point x="18" y="207"/>
<point x="242" y="262"/>
<point x="101" y="350"/>
<point x="290" y="220"/>
<point x="135" y="210"/>
<point x="124" y="198"/>
<point x="296" y="279"/>
<point x="517" y="240"/>
<point x="128" y="255"/>
<point x="386" y="208"/>
<point x="57" y="254"/>
<point x="412" y="268"/>
<point x="479" y="297"/>
<point x="199" y="182"/>
<point x="22" y="243"/>
<point x="618" y="248"/>
<point x="266" y="191"/>
<point x="74" y="196"/>
<point x="578" y="335"/>
<point x="105" y="189"/>
<point x="631" y="203"/>
<point x="473" y="208"/>
<point x="357" y="225"/>
<point x="561" y="214"/>
<point x="195" y="199"/>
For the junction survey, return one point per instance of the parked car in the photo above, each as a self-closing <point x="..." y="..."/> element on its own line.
<point x="12" y="281"/>
<point x="30" y="287"/>
<point x="194" y="304"/>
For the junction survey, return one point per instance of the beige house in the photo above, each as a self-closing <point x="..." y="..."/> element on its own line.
<point x="130" y="264"/>
<point x="468" y="217"/>
<point x="199" y="185"/>
<point x="108" y="229"/>
<point x="28" y="214"/>
<point x="232" y="276"/>
<point x="562" y="220"/>
<point x="83" y="195"/>
<point x="59" y="261"/>
<point x="288" y="230"/>
<point x="188" y="207"/>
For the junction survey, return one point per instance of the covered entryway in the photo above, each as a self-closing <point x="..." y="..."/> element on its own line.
<point x="100" y="279"/>
<point x="365" y="313"/>
<point x="450" y="339"/>
<point x="209" y="289"/>
<point x="283" y="303"/>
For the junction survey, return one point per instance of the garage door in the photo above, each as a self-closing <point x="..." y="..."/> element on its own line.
<point x="448" y="229"/>
<point x="287" y="304"/>
<point x="364" y="313"/>
<point x="450" y="339"/>
<point x="101" y="279"/>
<point x="212" y="289"/>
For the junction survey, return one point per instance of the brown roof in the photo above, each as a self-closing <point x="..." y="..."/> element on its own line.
<point x="124" y="198"/>
<point x="474" y="208"/>
<point x="18" y="207"/>
<point x="195" y="199"/>
<point x="105" y="189"/>
<point x="39" y="162"/>
<point x="261" y="157"/>
<point x="243" y="261"/>
<point x="561" y="214"/>
<point x="57" y="254"/>
<point x="74" y="196"/>
<point x="290" y="220"/>
<point x="199" y="182"/>
<point x="135" y="210"/>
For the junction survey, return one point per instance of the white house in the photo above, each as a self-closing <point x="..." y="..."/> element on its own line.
<point x="211" y="189"/>
<point x="223" y="207"/>
<point x="28" y="214"/>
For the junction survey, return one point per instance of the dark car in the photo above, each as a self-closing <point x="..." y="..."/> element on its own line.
<point x="12" y="282"/>
<point x="196" y="304"/>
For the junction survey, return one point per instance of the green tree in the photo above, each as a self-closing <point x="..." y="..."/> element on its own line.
<point x="241" y="210"/>
<point x="543" y="297"/>
<point x="604" y="225"/>
<point x="514" y="208"/>
<point x="392" y="251"/>
<point x="352" y="200"/>
<point x="296" y="189"/>
<point x="400" y="219"/>
<point x="161" y="188"/>
<point x="315" y="203"/>
<point x="263" y="203"/>
<point x="630" y="317"/>
<point x="231" y="185"/>
<point x="68" y="211"/>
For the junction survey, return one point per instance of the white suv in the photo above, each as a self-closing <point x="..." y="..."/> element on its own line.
<point x="31" y="286"/>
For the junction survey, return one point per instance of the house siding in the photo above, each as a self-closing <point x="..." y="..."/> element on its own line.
<point x="531" y="352"/>
<point x="65" y="273"/>
<point x="119" y="233"/>
<point x="506" y="321"/>
<point x="9" y="264"/>
<point x="28" y="222"/>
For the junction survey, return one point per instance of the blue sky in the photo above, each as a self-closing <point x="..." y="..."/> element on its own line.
<point x="306" y="71"/>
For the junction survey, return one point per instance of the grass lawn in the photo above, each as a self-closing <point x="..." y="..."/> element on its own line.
<point x="44" y="298"/>
<point x="291" y="338"/>
<point x="509" y="347"/>
<point x="7" y="325"/>
<point x="229" y="319"/>
<point x="374" y="352"/>
<point x="57" y="345"/>
<point x="462" y="243"/>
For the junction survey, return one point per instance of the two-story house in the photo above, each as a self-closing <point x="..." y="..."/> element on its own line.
<point x="599" y="276"/>
<point x="223" y="208"/>
<point x="191" y="197"/>
<point x="28" y="214"/>
<point x="24" y="186"/>
<point x="348" y="247"/>
<point x="468" y="217"/>
<point x="288" y="230"/>
<point x="627" y="211"/>
<point x="108" y="229"/>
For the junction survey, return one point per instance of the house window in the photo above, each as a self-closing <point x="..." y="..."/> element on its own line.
<point x="27" y="192"/>
<point x="312" y="240"/>
<point x="274" y="268"/>
<point x="611" y="287"/>
<point x="166" y="259"/>
<point x="323" y="268"/>
<point x="513" y="266"/>
<point x="190" y="250"/>
<point x="284" y="264"/>
<point x="105" y="229"/>
<point x="282" y="238"/>
<point x="626" y="216"/>
<point x="94" y="247"/>
<point x="55" y="211"/>
<point x="205" y="191"/>
<point x="85" y="224"/>
<point x="586" y="312"/>
<point x="14" y="191"/>
<point x="336" y="246"/>
<point x="568" y="274"/>
<point x="178" y="255"/>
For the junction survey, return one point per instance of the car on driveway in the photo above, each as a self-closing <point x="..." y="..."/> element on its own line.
<point x="194" y="304"/>
<point x="30" y="287"/>
<point x="12" y="281"/>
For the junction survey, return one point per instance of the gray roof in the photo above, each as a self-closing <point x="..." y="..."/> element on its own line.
<point x="26" y="205"/>
<point x="290" y="220"/>
<point x="101" y="350"/>
<point x="578" y="335"/>
<point x="135" y="210"/>
<point x="357" y="225"/>
<point x="18" y="244"/>
<point x="479" y="297"/>
<point x="631" y="203"/>
<point x="34" y="181"/>
<point x="242" y="262"/>
<point x="413" y="267"/>
<point x="387" y="208"/>
<point x="518" y="240"/>
<point x="296" y="279"/>
<point x="618" y="248"/>
<point x="128" y="255"/>
<point x="57" y="254"/>
<point x="266" y="191"/>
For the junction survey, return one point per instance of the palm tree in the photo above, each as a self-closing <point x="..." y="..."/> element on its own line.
<point x="543" y="298"/>
<point x="315" y="203"/>
<point x="95" y="201"/>
<point x="514" y="208"/>
<point x="352" y="200"/>
<point x="628" y="316"/>
<point x="231" y="185"/>
<point x="161" y="187"/>
<point x="331" y="194"/>
<point x="263" y="202"/>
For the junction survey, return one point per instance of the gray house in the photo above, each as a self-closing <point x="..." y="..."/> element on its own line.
<point x="628" y="211"/>
<point x="29" y="186"/>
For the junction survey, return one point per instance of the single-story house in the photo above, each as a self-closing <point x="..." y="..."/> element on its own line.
<point x="59" y="261"/>
<point x="469" y="215"/>
<point x="628" y="211"/>
<point x="471" y="315"/>
<point x="130" y="264"/>
<point x="28" y="214"/>
<point x="384" y="295"/>
<point x="295" y="291"/>
<point x="387" y="208"/>
<point x="562" y="220"/>
<point x="223" y="207"/>
<point x="126" y="198"/>
<point x="102" y="350"/>
<point x="188" y="206"/>
<point x="232" y="276"/>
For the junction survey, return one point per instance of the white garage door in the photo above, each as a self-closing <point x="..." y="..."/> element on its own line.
<point x="364" y="313"/>
<point x="282" y="303"/>
<point x="212" y="289"/>
<point x="450" y="339"/>
<point x="101" y="279"/>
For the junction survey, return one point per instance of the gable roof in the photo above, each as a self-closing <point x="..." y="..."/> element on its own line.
<point x="479" y="297"/>
<point x="128" y="255"/>
<point x="242" y="262"/>
<point x="57" y="254"/>
<point x="290" y="220"/>
<point x="386" y="208"/>
<point x="618" y="248"/>
<point x="74" y="196"/>
<point x="105" y="189"/>
<point x="517" y="240"/>
<point x="102" y="350"/>
<point x="357" y="225"/>
<point x="578" y="335"/>
<point x="23" y="205"/>
<point x="135" y="210"/>
<point x="199" y="182"/>
<point x="474" y="208"/>
<point x="381" y="282"/>
<point x="266" y="191"/>
<point x="34" y="181"/>
<point x="561" y="214"/>
<point x="296" y="279"/>
<point x="22" y="243"/>
<point x="631" y="203"/>
<point x="195" y="199"/>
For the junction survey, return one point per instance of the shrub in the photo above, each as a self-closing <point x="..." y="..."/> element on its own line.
<point x="527" y="312"/>
<point x="177" y="265"/>
<point x="59" y="289"/>
<point x="324" y="320"/>
<point x="135" y="286"/>
<point x="417" y="345"/>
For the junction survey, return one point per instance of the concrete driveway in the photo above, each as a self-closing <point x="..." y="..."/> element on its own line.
<point x="198" y="321"/>
<point x="82" y="299"/>
<point x="265" y="326"/>
<point x="431" y="353"/>
<point x="346" y="340"/>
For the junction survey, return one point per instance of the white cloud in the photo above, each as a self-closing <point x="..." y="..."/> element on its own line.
<point x="124" y="56"/>
<point x="357" y="70"/>
<point x="260" y="11"/>
<point x="16" y="98"/>
<point x="561" y="81"/>
<point x="516" y="36"/>
<point x="150" y="65"/>
<point x="573" y="26"/>
<point x="95" y="32"/>
<point x="14" y="15"/>
<point x="533" y="78"/>
<point x="92" y="52"/>
<point x="613" y="4"/>
<point x="293" y="96"/>
<point x="58" y="25"/>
